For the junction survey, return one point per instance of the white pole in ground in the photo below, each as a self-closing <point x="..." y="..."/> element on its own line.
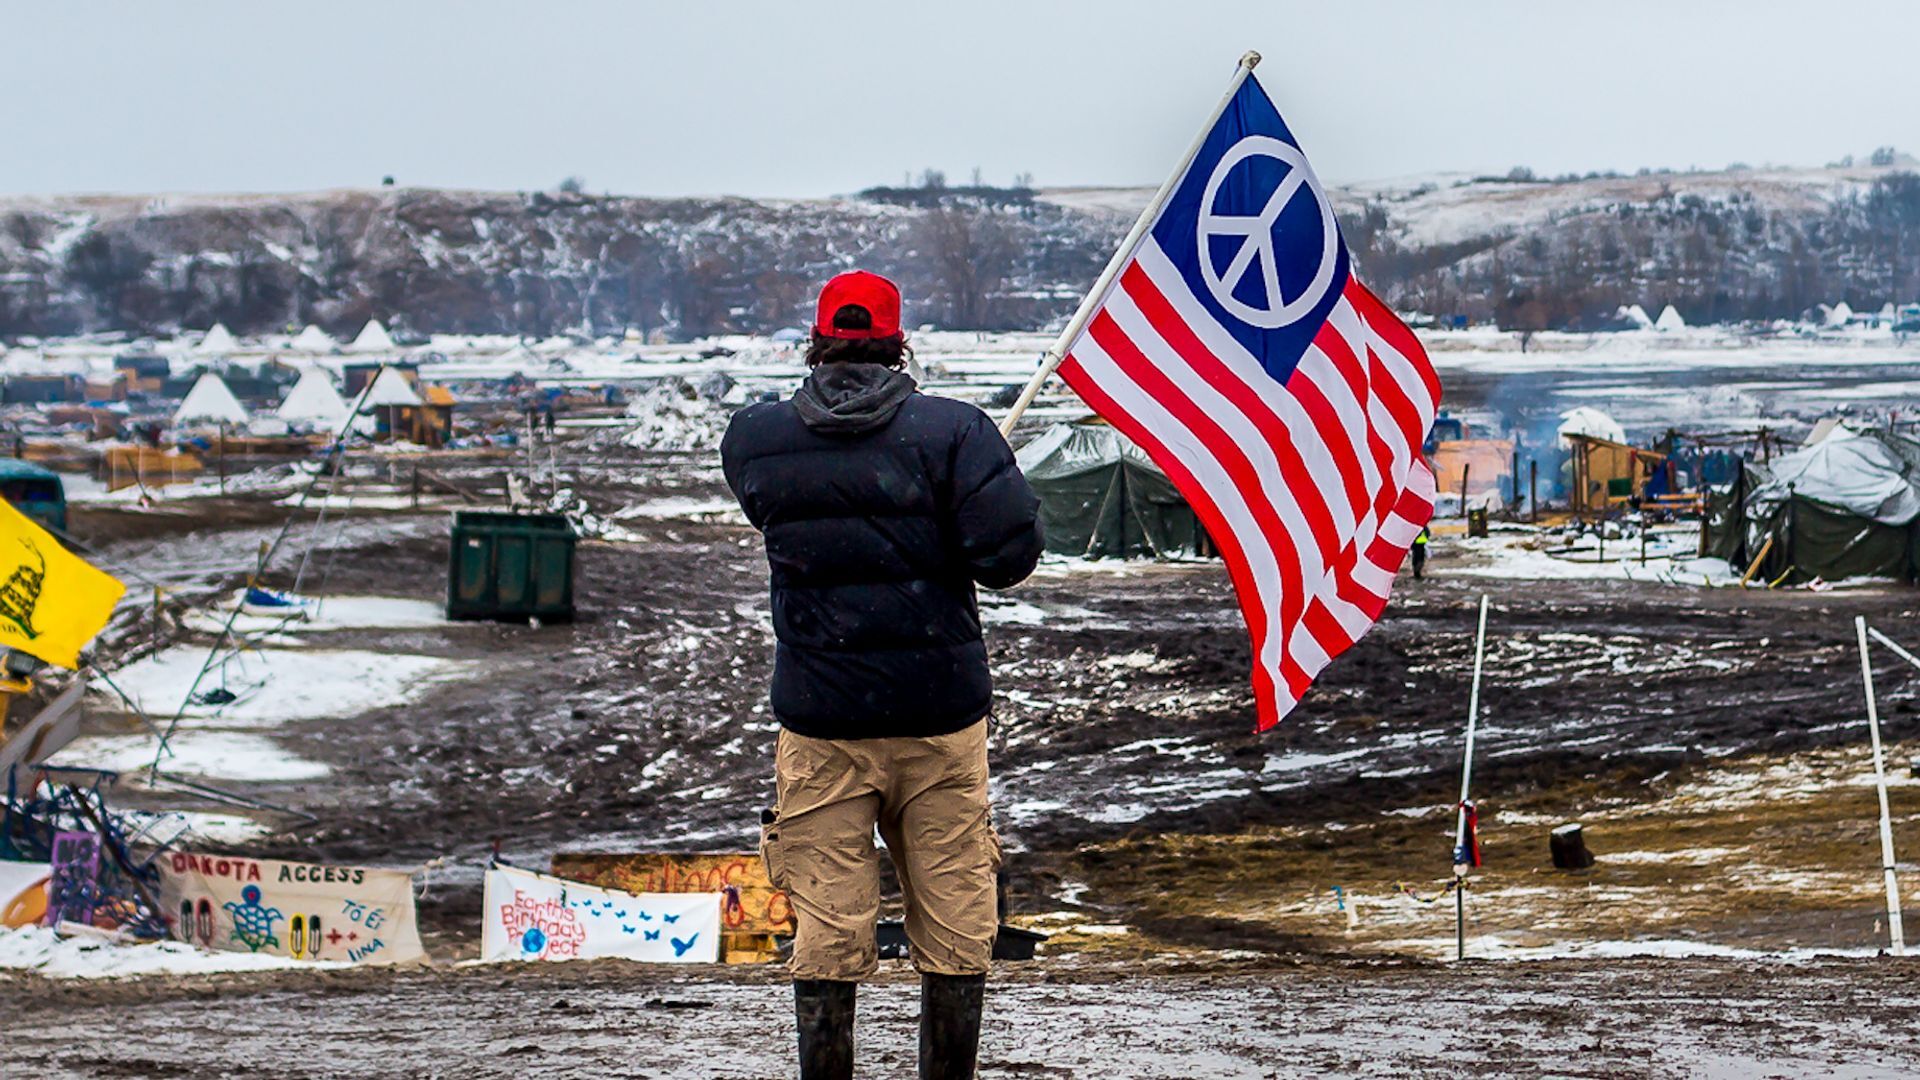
<point x="1462" y="858"/>
<point x="1104" y="283"/>
<point x="1896" y="934"/>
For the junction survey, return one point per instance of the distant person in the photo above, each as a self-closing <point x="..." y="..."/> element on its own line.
<point x="882" y="509"/>
<point x="1420" y="553"/>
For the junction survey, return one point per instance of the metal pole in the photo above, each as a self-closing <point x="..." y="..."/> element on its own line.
<point x="1895" y="933"/>
<point x="1891" y="644"/>
<point x="1104" y="283"/>
<point x="1533" y="489"/>
<point x="1462" y="859"/>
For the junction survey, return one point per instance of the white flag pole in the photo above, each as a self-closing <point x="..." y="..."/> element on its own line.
<point x="1895" y="933"/>
<point x="1462" y="858"/>
<point x="1104" y="283"/>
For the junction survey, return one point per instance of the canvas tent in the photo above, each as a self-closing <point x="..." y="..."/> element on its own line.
<point x="373" y="338"/>
<point x="313" y="340"/>
<point x="1102" y="497"/>
<point x="212" y="401"/>
<point x="314" y="401"/>
<point x="218" y="342"/>
<point x="1843" y="507"/>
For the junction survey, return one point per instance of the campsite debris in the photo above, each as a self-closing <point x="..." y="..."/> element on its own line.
<point x="1569" y="847"/>
<point x="61" y="819"/>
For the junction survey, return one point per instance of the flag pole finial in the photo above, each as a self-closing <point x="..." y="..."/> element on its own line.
<point x="1250" y="60"/>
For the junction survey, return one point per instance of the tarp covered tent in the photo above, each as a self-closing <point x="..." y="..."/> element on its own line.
<point x="1843" y="507"/>
<point x="1101" y="496"/>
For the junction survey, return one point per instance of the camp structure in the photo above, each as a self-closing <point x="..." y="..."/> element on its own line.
<point x="1465" y="465"/>
<point x="373" y="338"/>
<point x="1844" y="507"/>
<point x="1603" y="473"/>
<point x="1669" y="320"/>
<point x="312" y="340"/>
<point x="1102" y="497"/>
<point x="210" y="402"/>
<point x="313" y="402"/>
<point x="406" y="410"/>
<point x="218" y="342"/>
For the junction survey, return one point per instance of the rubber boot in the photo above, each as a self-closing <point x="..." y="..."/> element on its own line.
<point x="950" y="1025"/>
<point x="823" y="1015"/>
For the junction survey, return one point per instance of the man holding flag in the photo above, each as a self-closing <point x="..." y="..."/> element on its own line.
<point x="1230" y="340"/>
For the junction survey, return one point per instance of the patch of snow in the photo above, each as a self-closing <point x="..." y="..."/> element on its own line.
<point x="214" y="755"/>
<point x="278" y="686"/>
<point x="92" y="955"/>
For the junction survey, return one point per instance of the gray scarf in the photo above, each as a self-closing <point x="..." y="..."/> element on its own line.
<point x="851" y="399"/>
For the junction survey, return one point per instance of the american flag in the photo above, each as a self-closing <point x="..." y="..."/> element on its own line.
<point x="1285" y="401"/>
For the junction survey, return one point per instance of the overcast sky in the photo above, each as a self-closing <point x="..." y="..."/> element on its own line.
<point x="803" y="99"/>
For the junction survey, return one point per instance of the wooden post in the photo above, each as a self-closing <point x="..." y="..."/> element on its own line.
<point x="223" y="459"/>
<point x="1896" y="934"/>
<point x="1754" y="567"/>
<point x="1465" y="471"/>
<point x="1533" y="490"/>
<point x="416" y="485"/>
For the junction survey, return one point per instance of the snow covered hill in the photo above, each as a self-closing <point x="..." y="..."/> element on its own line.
<point x="1739" y="244"/>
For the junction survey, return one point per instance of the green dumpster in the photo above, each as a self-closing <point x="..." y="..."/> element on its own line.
<point x="510" y="566"/>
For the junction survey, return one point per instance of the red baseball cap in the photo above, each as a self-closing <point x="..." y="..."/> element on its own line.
<point x="879" y="296"/>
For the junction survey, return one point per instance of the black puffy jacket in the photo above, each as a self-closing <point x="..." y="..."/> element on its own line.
<point x="881" y="509"/>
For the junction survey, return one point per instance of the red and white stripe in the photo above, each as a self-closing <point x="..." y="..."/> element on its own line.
<point x="1313" y="489"/>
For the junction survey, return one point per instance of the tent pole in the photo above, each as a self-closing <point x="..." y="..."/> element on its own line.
<point x="1104" y="284"/>
<point x="1462" y="858"/>
<point x="1895" y="932"/>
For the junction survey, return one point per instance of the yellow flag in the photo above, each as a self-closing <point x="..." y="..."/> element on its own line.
<point x="52" y="602"/>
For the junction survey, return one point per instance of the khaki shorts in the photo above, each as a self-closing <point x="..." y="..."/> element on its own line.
<point x="928" y="798"/>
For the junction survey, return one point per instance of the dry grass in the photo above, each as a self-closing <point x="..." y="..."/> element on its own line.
<point x="1760" y="852"/>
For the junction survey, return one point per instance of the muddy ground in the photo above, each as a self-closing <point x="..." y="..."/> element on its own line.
<point x="1060" y="1020"/>
<point x="1122" y="715"/>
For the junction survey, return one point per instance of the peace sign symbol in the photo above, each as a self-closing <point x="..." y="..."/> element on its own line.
<point x="1257" y="231"/>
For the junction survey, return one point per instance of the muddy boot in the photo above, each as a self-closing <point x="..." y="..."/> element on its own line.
<point x="949" y="1025"/>
<point x="823" y="1013"/>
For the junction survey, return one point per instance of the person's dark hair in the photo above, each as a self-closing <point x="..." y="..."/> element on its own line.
<point x="890" y="352"/>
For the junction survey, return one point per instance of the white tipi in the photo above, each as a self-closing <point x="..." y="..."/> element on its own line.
<point x="1636" y="315"/>
<point x="313" y="340"/>
<point x="1839" y="314"/>
<point x="391" y="388"/>
<point x="373" y="338"/>
<point x="1669" y="320"/>
<point x="218" y="342"/>
<point x="210" y="400"/>
<point x="313" y="400"/>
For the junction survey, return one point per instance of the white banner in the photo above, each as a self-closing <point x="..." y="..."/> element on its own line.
<point x="529" y="916"/>
<point x="305" y="911"/>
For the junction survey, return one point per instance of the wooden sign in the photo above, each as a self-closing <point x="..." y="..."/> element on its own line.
<point x="752" y="911"/>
